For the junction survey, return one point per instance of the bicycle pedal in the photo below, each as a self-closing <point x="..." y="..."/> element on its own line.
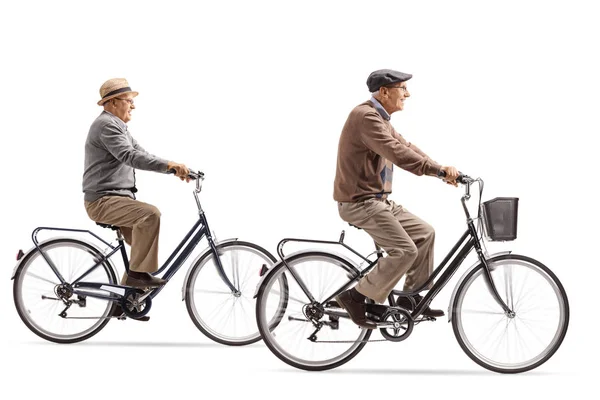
<point x="332" y="304"/>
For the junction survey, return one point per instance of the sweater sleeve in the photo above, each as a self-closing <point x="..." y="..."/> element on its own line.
<point x="129" y="153"/>
<point x="377" y="137"/>
<point x="414" y="147"/>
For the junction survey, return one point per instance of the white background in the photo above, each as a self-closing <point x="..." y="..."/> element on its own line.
<point x="255" y="95"/>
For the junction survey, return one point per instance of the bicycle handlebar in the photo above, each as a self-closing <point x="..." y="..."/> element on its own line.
<point x="193" y="175"/>
<point x="462" y="178"/>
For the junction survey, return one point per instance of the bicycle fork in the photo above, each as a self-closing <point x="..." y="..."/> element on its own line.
<point x="488" y="278"/>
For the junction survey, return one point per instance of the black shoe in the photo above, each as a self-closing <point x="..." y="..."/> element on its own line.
<point x="143" y="280"/>
<point x="405" y="303"/>
<point x="118" y="312"/>
<point x="356" y="309"/>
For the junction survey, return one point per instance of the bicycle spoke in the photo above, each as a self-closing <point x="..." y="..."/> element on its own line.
<point x="482" y="312"/>
<point x="295" y="299"/>
<point x="41" y="278"/>
<point x="508" y="286"/>
<point x="235" y="271"/>
<point x="211" y="291"/>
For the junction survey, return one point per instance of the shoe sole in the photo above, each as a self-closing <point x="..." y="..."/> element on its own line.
<point x="141" y="284"/>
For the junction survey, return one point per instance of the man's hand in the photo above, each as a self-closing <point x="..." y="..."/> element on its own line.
<point x="451" y="175"/>
<point x="181" y="171"/>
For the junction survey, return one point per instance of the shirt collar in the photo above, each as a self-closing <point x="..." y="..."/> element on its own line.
<point x="384" y="114"/>
<point x="118" y="120"/>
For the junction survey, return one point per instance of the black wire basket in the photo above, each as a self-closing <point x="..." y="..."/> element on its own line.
<point x="500" y="218"/>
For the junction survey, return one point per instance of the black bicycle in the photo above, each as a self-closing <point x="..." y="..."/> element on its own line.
<point x="66" y="289"/>
<point x="509" y="312"/>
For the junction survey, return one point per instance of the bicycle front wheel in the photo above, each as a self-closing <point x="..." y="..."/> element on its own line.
<point x="511" y="343"/>
<point x="221" y="315"/>
<point x="40" y="298"/>
<point x="295" y="339"/>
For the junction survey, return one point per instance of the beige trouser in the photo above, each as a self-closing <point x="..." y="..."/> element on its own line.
<point x="407" y="240"/>
<point x="139" y="223"/>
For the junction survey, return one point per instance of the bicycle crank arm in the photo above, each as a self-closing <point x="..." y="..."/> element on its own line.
<point x="389" y="324"/>
<point x="336" y="313"/>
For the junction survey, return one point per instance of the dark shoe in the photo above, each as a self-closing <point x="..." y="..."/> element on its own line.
<point x="118" y="312"/>
<point x="405" y="303"/>
<point x="143" y="280"/>
<point x="356" y="309"/>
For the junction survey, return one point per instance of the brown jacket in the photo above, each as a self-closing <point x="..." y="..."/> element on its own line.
<point x="368" y="148"/>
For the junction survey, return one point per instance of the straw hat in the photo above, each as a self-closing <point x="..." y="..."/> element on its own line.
<point x="113" y="88"/>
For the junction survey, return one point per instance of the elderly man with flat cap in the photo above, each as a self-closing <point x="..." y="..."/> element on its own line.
<point x="368" y="149"/>
<point x="111" y="157"/>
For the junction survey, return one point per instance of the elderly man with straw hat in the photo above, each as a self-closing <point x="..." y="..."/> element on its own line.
<point x="111" y="157"/>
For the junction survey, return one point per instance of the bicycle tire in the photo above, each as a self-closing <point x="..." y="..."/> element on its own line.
<point x="25" y="314"/>
<point x="200" y="321"/>
<point x="478" y="356"/>
<point x="266" y="329"/>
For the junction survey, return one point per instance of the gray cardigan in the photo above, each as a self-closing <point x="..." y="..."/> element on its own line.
<point x="111" y="154"/>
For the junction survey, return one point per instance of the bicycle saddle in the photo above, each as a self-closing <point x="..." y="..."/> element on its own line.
<point x="113" y="227"/>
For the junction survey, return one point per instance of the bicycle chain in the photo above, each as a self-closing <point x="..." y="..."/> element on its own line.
<point x="367" y="341"/>
<point x="349" y="341"/>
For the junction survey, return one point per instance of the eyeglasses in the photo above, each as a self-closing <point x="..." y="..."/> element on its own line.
<point x="130" y="101"/>
<point x="404" y="89"/>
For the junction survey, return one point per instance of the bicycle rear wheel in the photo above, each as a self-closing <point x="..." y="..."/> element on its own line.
<point x="215" y="310"/>
<point x="38" y="292"/>
<point x="505" y="343"/>
<point x="339" y="339"/>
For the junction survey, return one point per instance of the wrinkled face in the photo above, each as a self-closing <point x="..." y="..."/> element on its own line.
<point x="394" y="96"/>
<point x="122" y="106"/>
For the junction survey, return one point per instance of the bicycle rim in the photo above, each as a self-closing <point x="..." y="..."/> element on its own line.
<point x="216" y="311"/>
<point x="36" y="279"/>
<point x="508" y="344"/>
<point x="322" y="274"/>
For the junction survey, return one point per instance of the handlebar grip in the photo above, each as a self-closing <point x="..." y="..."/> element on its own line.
<point x="462" y="178"/>
<point x="192" y="175"/>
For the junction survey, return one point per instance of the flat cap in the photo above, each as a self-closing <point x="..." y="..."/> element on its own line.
<point x="384" y="77"/>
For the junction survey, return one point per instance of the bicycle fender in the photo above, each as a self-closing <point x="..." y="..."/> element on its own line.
<point x="259" y="284"/>
<point x="464" y="276"/>
<point x="20" y="261"/>
<point x="31" y="250"/>
<point x="206" y="250"/>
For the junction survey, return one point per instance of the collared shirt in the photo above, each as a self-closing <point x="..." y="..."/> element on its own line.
<point x="384" y="114"/>
<point x="117" y="120"/>
<point x="111" y="157"/>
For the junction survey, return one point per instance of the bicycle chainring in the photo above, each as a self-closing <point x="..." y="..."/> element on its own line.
<point x="132" y="306"/>
<point x="402" y="321"/>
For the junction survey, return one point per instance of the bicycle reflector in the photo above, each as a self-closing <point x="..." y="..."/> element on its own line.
<point x="263" y="270"/>
<point x="20" y="254"/>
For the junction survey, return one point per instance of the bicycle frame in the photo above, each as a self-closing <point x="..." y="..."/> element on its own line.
<point x="190" y="241"/>
<point x="458" y="253"/>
